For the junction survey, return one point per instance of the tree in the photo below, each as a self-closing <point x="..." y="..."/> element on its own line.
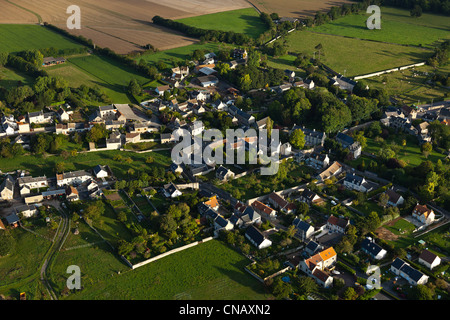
<point x="307" y="285"/>
<point x="134" y="87"/>
<point x="281" y="289"/>
<point x="416" y="11"/>
<point x="384" y="198"/>
<point x="94" y="210"/>
<point x="319" y="47"/>
<point x="426" y="149"/>
<point x="297" y="139"/>
<point x="349" y="294"/>
<point x="421" y="292"/>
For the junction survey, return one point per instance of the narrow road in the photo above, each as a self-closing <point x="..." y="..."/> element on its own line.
<point x="60" y="237"/>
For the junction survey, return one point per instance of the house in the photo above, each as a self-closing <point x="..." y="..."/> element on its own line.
<point x="24" y="191"/>
<point x="304" y="230"/>
<point x="40" y="117"/>
<point x="354" y="182"/>
<point x="318" y="160"/>
<point x="347" y="142"/>
<point x="2" y="226"/>
<point x="394" y="198"/>
<point x="212" y="203"/>
<point x="220" y="223"/>
<point x="257" y="238"/>
<point x="161" y="89"/>
<point x="132" y="137"/>
<point x="12" y="220"/>
<point x="219" y="105"/>
<point x="310" y="197"/>
<point x="423" y="214"/>
<point x="7" y="188"/>
<point x="307" y="84"/>
<point x="25" y="211"/>
<point x="62" y="115"/>
<point x="50" y="61"/>
<point x="179" y="73"/>
<point x="23" y="127"/>
<point x="318" y="265"/>
<point x="250" y="216"/>
<point x="333" y="170"/>
<point x="261" y="208"/>
<point x="429" y="259"/>
<point x="114" y="141"/>
<point x="280" y="203"/>
<point x="312" y="247"/>
<point x="33" y="182"/>
<point x="403" y="269"/>
<point x="71" y="178"/>
<point x="72" y="194"/>
<point x="336" y="224"/>
<point x="176" y="168"/>
<point x="100" y="171"/>
<point x="290" y="74"/>
<point x="171" y="191"/>
<point x="239" y="53"/>
<point x="312" y="137"/>
<point x="224" y="174"/>
<point x="369" y="246"/>
<point x="208" y="81"/>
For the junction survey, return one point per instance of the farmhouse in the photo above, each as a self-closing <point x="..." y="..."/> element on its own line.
<point x="33" y="182"/>
<point x="50" y="61"/>
<point x="349" y="143"/>
<point x="12" y="220"/>
<point x="312" y="137"/>
<point x="208" y="81"/>
<point x="280" y="203"/>
<point x="25" y="211"/>
<point x="100" y="171"/>
<point x="333" y="170"/>
<point x="72" y="194"/>
<point x="310" y="197"/>
<point x="318" y="160"/>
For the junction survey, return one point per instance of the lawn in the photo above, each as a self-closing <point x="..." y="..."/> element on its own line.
<point x="39" y="165"/>
<point x="246" y="21"/>
<point x="401" y="227"/>
<point x="397" y="26"/>
<point x="350" y="56"/>
<point x="208" y="271"/>
<point x="16" y="37"/>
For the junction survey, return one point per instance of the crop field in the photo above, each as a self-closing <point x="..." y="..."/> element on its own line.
<point x="351" y="56"/>
<point x="397" y="26"/>
<point x="245" y="21"/>
<point x="123" y="26"/>
<point x="296" y="8"/>
<point x="14" y="38"/>
<point x="208" y="271"/>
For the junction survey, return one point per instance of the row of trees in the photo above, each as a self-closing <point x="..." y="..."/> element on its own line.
<point x="433" y="6"/>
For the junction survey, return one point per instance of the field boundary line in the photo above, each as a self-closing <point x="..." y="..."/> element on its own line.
<point x="28" y="10"/>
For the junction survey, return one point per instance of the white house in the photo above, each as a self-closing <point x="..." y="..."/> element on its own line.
<point x="62" y="115"/>
<point x="394" y="198"/>
<point x="317" y="265"/>
<point x="75" y="177"/>
<point x="429" y="259"/>
<point x="171" y="191"/>
<point x="257" y="238"/>
<point x="369" y="246"/>
<point x="224" y="174"/>
<point x="7" y="188"/>
<point x="336" y="224"/>
<point x="33" y="182"/>
<point x="403" y="269"/>
<point x="357" y="183"/>
<point x="26" y="211"/>
<point x="100" y="171"/>
<point x="304" y="229"/>
<point x="423" y="214"/>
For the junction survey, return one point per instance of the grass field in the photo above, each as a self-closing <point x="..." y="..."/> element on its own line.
<point x="177" y="54"/>
<point x="397" y="26"/>
<point x="208" y="271"/>
<point x="410" y="86"/>
<point x="9" y="78"/>
<point x="245" y="21"/>
<point x="14" y="38"/>
<point x="352" y="56"/>
<point x="39" y="165"/>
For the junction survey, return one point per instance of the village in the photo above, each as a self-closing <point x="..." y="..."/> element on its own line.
<point x="306" y="223"/>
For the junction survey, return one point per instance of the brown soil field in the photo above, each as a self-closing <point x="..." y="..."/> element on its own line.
<point x="121" y="25"/>
<point x="296" y="8"/>
<point x="385" y="234"/>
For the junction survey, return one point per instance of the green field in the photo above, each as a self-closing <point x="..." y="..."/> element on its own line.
<point x="177" y="54"/>
<point x="109" y="75"/>
<point x="397" y="26"/>
<point x="39" y="165"/>
<point x="351" y="56"/>
<point x="15" y="38"/>
<point x="246" y="21"/>
<point x="208" y="271"/>
<point x="9" y="78"/>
